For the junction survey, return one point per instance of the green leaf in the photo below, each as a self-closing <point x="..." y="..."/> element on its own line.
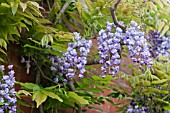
<point x="110" y="101"/>
<point x="35" y="4"/>
<point x="96" y="78"/>
<point x="151" y="90"/>
<point x="28" y="15"/>
<point x="167" y="107"/>
<point x="52" y="95"/>
<point x="44" y="40"/>
<point x="78" y="99"/>
<point x="162" y="101"/>
<point x="2" y="103"/>
<point x="151" y="4"/>
<point x="159" y="81"/>
<point x="1" y="60"/>
<point x="124" y="55"/>
<point x="54" y="52"/>
<point x="59" y="47"/>
<point x="29" y="86"/>
<point x="161" y="26"/>
<point x="159" y="3"/>
<point x="39" y="97"/>
<point x="130" y="66"/>
<point x="2" y="51"/>
<point x="34" y="47"/>
<point x="34" y="41"/>
<point x="35" y="11"/>
<point x="23" y="6"/>
<point x="90" y="4"/>
<point x="23" y="92"/>
<point x="5" y="5"/>
<point x="51" y="87"/>
<point x="144" y="83"/>
<point x="14" y="7"/>
<point x="3" y="44"/>
<point x="94" y="90"/>
<point x="43" y="21"/>
<point x="114" y="95"/>
<point x="79" y="6"/>
<point x="165" y="29"/>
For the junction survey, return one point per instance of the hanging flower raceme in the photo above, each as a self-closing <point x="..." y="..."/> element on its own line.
<point x="159" y="45"/>
<point x="137" y="45"/>
<point x="109" y="46"/>
<point x="7" y="91"/>
<point x="74" y="59"/>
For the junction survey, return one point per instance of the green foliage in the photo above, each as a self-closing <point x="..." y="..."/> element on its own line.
<point x="78" y="99"/>
<point x="151" y="89"/>
<point x="84" y="16"/>
<point x="41" y="33"/>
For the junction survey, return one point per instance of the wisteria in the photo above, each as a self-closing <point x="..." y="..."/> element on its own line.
<point x="137" y="45"/>
<point x="159" y="45"/>
<point x="134" y="108"/>
<point x="109" y="46"/>
<point x="74" y="58"/>
<point x="7" y="91"/>
<point x="137" y="109"/>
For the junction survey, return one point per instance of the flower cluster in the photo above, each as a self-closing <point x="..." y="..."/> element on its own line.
<point x="137" y="45"/>
<point x="134" y="108"/>
<point x="159" y="45"/>
<point x="109" y="46"/>
<point x="57" y="66"/>
<point x="7" y="91"/>
<point x="75" y="57"/>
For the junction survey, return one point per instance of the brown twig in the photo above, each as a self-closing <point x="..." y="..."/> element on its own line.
<point x="62" y="10"/>
<point x="43" y="75"/>
<point x="112" y="10"/>
<point x="48" y="3"/>
<point x="93" y="61"/>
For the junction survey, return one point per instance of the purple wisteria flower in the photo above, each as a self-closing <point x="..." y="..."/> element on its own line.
<point x="74" y="58"/>
<point x="2" y="67"/>
<point x="7" y="91"/>
<point x="159" y="45"/>
<point x="137" y="45"/>
<point x="108" y="46"/>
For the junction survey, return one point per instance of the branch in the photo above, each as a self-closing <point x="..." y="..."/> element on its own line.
<point x="94" y="61"/>
<point x="44" y="75"/>
<point x="62" y="10"/>
<point x="49" y="7"/>
<point x="112" y="10"/>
